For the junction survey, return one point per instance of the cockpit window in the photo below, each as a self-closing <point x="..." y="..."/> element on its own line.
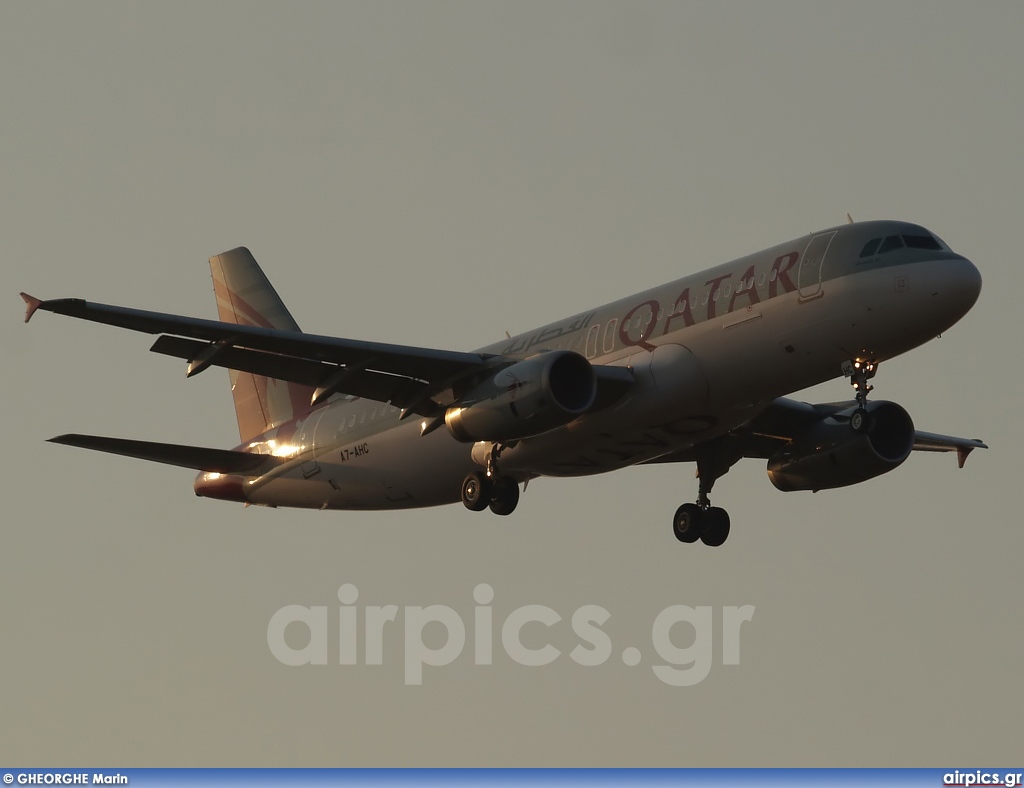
<point x="890" y="243"/>
<point x="870" y="247"/>
<point x="921" y="242"/>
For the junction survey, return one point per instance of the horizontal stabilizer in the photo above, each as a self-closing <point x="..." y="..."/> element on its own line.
<point x="211" y="460"/>
<point x="31" y="305"/>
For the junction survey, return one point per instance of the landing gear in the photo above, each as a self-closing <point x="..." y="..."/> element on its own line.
<point x="687" y="523"/>
<point x="710" y="525"/>
<point x="504" y="495"/>
<point x="701" y="520"/>
<point x="476" y="491"/>
<point x="716" y="527"/>
<point x="860" y="371"/>
<point x="490" y="489"/>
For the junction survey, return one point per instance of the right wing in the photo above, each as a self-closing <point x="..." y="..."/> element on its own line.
<point x="408" y="377"/>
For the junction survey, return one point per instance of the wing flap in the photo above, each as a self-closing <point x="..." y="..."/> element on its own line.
<point x="399" y="390"/>
<point x="198" y="458"/>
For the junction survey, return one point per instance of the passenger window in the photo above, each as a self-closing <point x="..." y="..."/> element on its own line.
<point x="609" y="335"/>
<point x="890" y="243"/>
<point x="592" y="341"/>
<point x="870" y="247"/>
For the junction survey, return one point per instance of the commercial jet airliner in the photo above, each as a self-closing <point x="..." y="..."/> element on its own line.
<point x="693" y="371"/>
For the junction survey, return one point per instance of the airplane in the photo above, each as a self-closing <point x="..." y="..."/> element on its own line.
<point x="694" y="371"/>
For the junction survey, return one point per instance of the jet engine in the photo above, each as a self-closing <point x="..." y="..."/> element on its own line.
<point x="833" y="453"/>
<point x="528" y="398"/>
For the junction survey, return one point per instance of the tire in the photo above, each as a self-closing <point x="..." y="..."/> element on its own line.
<point x="716" y="527"/>
<point x="476" y="491"/>
<point x="860" y="421"/>
<point x="687" y="523"/>
<point x="504" y="496"/>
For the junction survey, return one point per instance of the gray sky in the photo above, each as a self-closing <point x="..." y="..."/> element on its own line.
<point x="435" y="174"/>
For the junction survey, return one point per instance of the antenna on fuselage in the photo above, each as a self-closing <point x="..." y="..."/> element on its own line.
<point x="849" y="219"/>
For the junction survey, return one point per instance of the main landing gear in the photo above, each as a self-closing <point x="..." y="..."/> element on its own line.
<point x="701" y="520"/>
<point x="710" y="524"/>
<point x="481" y="489"/>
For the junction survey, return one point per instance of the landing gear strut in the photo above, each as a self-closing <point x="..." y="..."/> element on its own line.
<point x="700" y="520"/>
<point x="490" y="489"/>
<point x="860" y="371"/>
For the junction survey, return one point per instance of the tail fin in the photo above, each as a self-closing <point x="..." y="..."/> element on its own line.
<point x="245" y="296"/>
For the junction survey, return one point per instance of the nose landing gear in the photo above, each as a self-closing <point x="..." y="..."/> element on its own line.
<point x="860" y="371"/>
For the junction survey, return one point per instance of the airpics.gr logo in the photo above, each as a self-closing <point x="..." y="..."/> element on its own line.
<point x="680" y="666"/>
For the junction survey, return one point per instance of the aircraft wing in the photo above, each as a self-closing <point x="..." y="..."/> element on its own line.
<point x="406" y="376"/>
<point x="778" y="422"/>
<point x="783" y="419"/>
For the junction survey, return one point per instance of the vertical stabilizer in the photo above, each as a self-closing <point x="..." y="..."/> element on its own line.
<point x="245" y="296"/>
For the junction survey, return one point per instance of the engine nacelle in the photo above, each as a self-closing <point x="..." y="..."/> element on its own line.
<point x="831" y="454"/>
<point x="527" y="398"/>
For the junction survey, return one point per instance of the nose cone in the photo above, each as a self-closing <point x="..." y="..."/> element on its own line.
<point x="970" y="282"/>
<point x="964" y="285"/>
<point x="949" y="290"/>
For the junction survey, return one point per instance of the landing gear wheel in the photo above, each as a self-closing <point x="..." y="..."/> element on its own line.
<point x="687" y="523"/>
<point x="476" y="491"/>
<point x="715" y="527"/>
<point x="504" y="495"/>
<point x="860" y="420"/>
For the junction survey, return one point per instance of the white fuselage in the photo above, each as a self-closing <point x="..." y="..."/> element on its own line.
<point x="708" y="352"/>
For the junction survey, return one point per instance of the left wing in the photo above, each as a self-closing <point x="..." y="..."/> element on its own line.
<point x="784" y="419"/>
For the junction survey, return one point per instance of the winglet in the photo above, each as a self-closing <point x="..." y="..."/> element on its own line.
<point x="962" y="454"/>
<point x="31" y="305"/>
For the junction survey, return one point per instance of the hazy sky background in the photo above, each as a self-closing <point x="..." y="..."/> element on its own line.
<point x="434" y="174"/>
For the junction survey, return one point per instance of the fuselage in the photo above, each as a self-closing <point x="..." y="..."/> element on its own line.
<point x="707" y="352"/>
